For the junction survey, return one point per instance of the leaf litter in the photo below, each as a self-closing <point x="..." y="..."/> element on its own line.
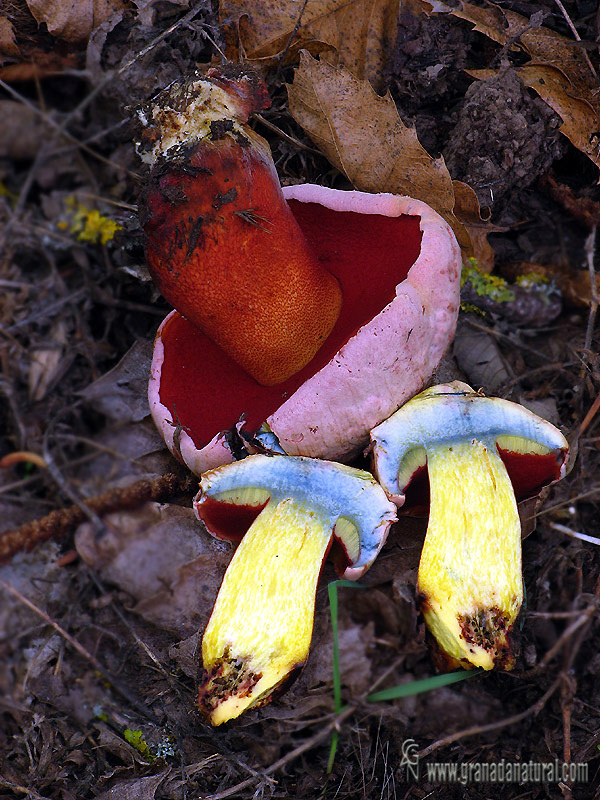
<point x="76" y="324"/>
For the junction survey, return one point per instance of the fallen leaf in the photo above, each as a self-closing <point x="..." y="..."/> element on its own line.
<point x="479" y="357"/>
<point x="120" y="394"/>
<point x="363" y="136"/>
<point x="359" y="33"/>
<point x="580" y="122"/>
<point x="135" y="788"/>
<point x="74" y="21"/>
<point x="8" y="42"/>
<point x="466" y="208"/>
<point x="49" y="361"/>
<point x="559" y="71"/>
<point x="160" y="555"/>
<point x="22" y="132"/>
<point x="40" y="65"/>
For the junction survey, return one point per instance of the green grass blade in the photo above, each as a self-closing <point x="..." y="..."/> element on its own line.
<point x="332" y="591"/>
<point x="424" y="685"/>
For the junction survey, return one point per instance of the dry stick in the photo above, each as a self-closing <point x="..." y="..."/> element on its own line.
<point x="590" y="247"/>
<point x="309" y="744"/>
<point x="296" y="142"/>
<point x="289" y="757"/>
<point x="478" y="729"/>
<point x="22" y="789"/>
<point x="116" y="684"/>
<point x="291" y="37"/>
<point x="563" y="11"/>
<point x="62" y="522"/>
<point x="584" y="617"/>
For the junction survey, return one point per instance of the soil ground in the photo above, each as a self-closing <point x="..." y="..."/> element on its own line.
<point x="97" y="671"/>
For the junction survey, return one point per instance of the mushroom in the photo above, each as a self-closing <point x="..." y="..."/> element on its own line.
<point x="395" y="260"/>
<point x="289" y="510"/>
<point x="222" y="245"/>
<point x="480" y="455"/>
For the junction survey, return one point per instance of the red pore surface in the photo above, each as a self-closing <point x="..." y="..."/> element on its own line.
<point x="528" y="472"/>
<point x="369" y="254"/>
<point x="227" y="520"/>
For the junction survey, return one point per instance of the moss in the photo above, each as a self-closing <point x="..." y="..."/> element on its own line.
<point x="88" y="224"/>
<point x="491" y="286"/>
<point x="136" y="740"/>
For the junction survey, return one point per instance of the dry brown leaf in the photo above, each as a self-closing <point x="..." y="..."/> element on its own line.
<point x="48" y="362"/>
<point x="559" y="71"/>
<point x="360" y="32"/>
<point x="8" y="43"/>
<point x="160" y="555"/>
<point x="362" y="135"/>
<point x="73" y="20"/>
<point x="467" y="210"/>
<point x="580" y="122"/>
<point x="21" y="133"/>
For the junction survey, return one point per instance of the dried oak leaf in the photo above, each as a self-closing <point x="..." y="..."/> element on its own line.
<point x="160" y="555"/>
<point x="74" y="20"/>
<point x="8" y="42"/>
<point x="559" y="71"/>
<point x="360" y="34"/>
<point x="362" y="135"/>
<point x="580" y="121"/>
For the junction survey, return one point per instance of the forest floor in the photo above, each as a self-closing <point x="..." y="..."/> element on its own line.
<point x="99" y="634"/>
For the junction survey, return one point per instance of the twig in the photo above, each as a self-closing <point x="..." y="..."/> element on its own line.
<point x="296" y="142"/>
<point x="590" y="249"/>
<point x="22" y="789"/>
<point x="62" y="522"/>
<point x="584" y="537"/>
<point x="476" y="730"/>
<point x="569" y="22"/>
<point x="289" y="757"/>
<point x="116" y="684"/>
<point x="67" y="489"/>
<point x="291" y="37"/>
<point x="583" y="618"/>
<point x="589" y="416"/>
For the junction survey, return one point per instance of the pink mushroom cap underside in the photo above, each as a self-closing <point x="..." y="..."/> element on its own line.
<point x="390" y="358"/>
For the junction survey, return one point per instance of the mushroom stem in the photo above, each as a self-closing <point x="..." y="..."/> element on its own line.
<point x="470" y="569"/>
<point x="261" y="625"/>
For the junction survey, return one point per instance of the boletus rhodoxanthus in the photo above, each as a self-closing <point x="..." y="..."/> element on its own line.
<point x="307" y="315"/>
<point x="470" y="458"/>
<point x="314" y="313"/>
<point x="289" y="511"/>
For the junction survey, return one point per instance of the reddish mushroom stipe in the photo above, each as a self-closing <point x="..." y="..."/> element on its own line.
<point x="224" y="248"/>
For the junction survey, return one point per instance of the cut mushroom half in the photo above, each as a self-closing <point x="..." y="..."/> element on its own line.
<point x="289" y="511"/>
<point x="480" y="455"/>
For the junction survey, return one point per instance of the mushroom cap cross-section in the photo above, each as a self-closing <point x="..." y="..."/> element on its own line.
<point x="293" y="509"/>
<point x="480" y="454"/>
